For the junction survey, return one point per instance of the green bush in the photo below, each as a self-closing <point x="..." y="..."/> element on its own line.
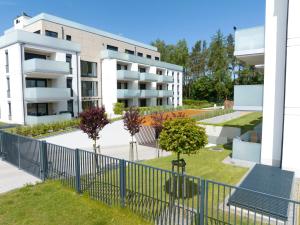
<point x="45" y="129"/>
<point x="119" y="108"/>
<point x="191" y="103"/>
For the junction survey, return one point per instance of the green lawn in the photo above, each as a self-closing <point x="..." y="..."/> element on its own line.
<point x="206" y="164"/>
<point x="52" y="203"/>
<point x="246" y="122"/>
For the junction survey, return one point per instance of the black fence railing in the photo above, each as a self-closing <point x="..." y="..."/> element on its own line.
<point x="158" y="195"/>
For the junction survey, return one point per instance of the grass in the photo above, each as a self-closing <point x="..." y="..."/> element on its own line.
<point x="52" y="203"/>
<point x="206" y="164"/>
<point x="246" y="122"/>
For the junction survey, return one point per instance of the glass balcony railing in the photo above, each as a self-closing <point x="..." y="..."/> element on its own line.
<point x="165" y="93"/>
<point x="127" y="93"/>
<point x="165" y="79"/>
<point x="148" y="77"/>
<point x="42" y="66"/>
<point x="47" y="94"/>
<point x="149" y="93"/>
<point x="127" y="75"/>
<point x="250" y="39"/>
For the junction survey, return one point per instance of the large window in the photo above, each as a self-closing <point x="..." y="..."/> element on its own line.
<point x="29" y="55"/>
<point x="89" y="88"/>
<point x="37" y="109"/>
<point x="88" y="69"/>
<point x="51" y="33"/>
<point x="9" y="110"/>
<point x="122" y="67"/>
<point x="8" y="86"/>
<point x="6" y="61"/>
<point x="89" y="104"/>
<point x="69" y="60"/>
<point x="129" y="51"/>
<point x="111" y="47"/>
<point x="30" y="83"/>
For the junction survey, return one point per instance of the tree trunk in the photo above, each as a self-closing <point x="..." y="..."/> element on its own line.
<point x="96" y="167"/>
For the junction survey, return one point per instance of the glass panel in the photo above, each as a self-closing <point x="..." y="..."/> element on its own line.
<point x="88" y="69"/>
<point x="89" y="88"/>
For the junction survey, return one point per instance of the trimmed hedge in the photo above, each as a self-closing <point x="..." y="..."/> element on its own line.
<point x="45" y="129"/>
<point x="210" y="114"/>
<point x="197" y="103"/>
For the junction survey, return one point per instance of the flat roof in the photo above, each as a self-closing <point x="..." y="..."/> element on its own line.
<point x="59" y="20"/>
<point x="269" y="180"/>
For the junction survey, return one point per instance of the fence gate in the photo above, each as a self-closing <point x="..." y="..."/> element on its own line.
<point x="22" y="152"/>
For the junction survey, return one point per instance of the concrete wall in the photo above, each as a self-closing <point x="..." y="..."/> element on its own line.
<point x="248" y="97"/>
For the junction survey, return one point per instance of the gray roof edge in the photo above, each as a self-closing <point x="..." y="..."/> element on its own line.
<point x="66" y="22"/>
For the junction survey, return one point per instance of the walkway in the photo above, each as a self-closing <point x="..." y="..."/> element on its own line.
<point x="225" y="118"/>
<point x="11" y="177"/>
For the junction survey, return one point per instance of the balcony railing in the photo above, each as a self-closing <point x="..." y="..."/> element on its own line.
<point x="127" y="75"/>
<point x="47" y="94"/>
<point x="251" y="40"/>
<point x="149" y="93"/>
<point x="30" y="120"/>
<point x="165" y="79"/>
<point x="165" y="93"/>
<point x="42" y="66"/>
<point x="127" y="93"/>
<point x="149" y="77"/>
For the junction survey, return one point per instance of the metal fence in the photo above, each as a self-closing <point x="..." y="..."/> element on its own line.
<point x="158" y="195"/>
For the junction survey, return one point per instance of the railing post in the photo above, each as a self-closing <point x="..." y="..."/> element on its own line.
<point x="1" y="141"/>
<point x="44" y="161"/>
<point x="202" y="201"/>
<point x="77" y="171"/>
<point x="122" y="182"/>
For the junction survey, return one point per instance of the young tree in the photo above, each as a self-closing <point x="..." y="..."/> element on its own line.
<point x="182" y="136"/>
<point x="132" y="121"/>
<point x="92" y="121"/>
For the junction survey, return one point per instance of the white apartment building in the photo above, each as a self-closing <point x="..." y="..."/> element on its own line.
<point x="53" y="68"/>
<point x="275" y="48"/>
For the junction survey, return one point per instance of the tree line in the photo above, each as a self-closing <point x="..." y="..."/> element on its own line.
<point x="210" y="70"/>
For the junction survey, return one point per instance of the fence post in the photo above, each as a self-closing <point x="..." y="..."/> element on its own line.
<point x="44" y="161"/>
<point x="1" y="141"/>
<point x="202" y="201"/>
<point x="122" y="182"/>
<point x="77" y="171"/>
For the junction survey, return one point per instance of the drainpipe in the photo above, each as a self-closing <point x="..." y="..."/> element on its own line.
<point x="23" y="86"/>
<point x="284" y="87"/>
<point x="101" y="85"/>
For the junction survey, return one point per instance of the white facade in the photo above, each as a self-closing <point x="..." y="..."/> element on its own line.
<point x="105" y="69"/>
<point x="281" y="105"/>
<point x="34" y="90"/>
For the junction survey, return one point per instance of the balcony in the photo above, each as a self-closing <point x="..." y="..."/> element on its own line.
<point x="149" y="93"/>
<point x="149" y="77"/>
<point x="165" y="79"/>
<point x="127" y="75"/>
<point x="165" y="93"/>
<point x="31" y="120"/>
<point x="127" y="93"/>
<point x="248" y="97"/>
<point x="250" y="45"/>
<point x="45" y="68"/>
<point x="47" y="94"/>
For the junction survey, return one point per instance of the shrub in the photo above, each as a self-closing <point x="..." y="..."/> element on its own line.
<point x="119" y="108"/>
<point x="197" y="103"/>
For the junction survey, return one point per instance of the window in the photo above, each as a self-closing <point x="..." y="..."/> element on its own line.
<point x="149" y="56"/>
<point x="129" y="52"/>
<point x="70" y="84"/>
<point x="122" y="85"/>
<point x="111" y="47"/>
<point x="70" y="107"/>
<point x="68" y="37"/>
<point x="159" y="87"/>
<point x="142" y="69"/>
<point x="37" y="32"/>
<point x="88" y="69"/>
<point x="51" y="33"/>
<point x="31" y="83"/>
<point x="37" y="109"/>
<point x="156" y="58"/>
<point x="29" y="55"/>
<point x="9" y="110"/>
<point x="122" y="67"/>
<point x="159" y="101"/>
<point x="6" y="61"/>
<point x="69" y="60"/>
<point x="89" y="88"/>
<point x="8" y="87"/>
<point x="159" y="72"/>
<point x="143" y="102"/>
<point x="89" y="104"/>
<point x="140" y="54"/>
<point x="124" y="101"/>
<point x="142" y="86"/>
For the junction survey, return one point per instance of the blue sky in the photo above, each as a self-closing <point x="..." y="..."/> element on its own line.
<point x="147" y="20"/>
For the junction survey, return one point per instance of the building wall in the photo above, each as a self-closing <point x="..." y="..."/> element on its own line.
<point x="16" y="93"/>
<point x="291" y="152"/>
<point x="275" y="47"/>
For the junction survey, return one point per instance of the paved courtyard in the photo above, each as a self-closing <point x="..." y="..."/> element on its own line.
<point x="114" y="141"/>
<point x="11" y="177"/>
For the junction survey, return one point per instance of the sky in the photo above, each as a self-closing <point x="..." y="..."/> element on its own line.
<point x="146" y="20"/>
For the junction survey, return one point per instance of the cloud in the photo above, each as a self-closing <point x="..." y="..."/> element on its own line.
<point x="7" y="3"/>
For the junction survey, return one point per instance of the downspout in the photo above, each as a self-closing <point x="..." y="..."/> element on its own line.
<point x="284" y="87"/>
<point x="101" y="91"/>
<point x="23" y="86"/>
<point x="78" y="83"/>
